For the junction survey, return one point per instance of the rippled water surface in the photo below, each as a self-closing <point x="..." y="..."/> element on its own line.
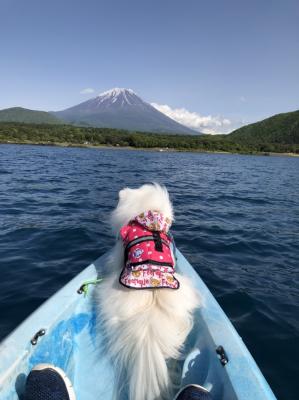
<point x="237" y="221"/>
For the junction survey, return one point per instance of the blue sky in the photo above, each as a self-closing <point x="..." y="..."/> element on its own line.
<point x="227" y="60"/>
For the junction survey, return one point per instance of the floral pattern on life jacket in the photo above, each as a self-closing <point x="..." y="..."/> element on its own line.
<point x="148" y="266"/>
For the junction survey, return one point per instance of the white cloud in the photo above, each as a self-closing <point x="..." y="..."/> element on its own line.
<point x="206" y="124"/>
<point x="87" y="91"/>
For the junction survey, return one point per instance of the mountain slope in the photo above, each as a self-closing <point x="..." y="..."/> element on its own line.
<point x="281" y="128"/>
<point x="19" y="114"/>
<point x="121" y="109"/>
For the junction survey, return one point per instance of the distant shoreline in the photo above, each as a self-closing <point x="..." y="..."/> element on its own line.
<point x="76" y="136"/>
<point x="154" y="149"/>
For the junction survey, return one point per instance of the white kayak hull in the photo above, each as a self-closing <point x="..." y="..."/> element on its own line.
<point x="73" y="342"/>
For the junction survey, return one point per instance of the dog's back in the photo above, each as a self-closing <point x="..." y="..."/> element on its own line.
<point x="147" y="327"/>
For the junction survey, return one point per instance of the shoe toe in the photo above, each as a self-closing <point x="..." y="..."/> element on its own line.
<point x="45" y="385"/>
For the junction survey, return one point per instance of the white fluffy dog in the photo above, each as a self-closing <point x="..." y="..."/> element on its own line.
<point x="145" y="328"/>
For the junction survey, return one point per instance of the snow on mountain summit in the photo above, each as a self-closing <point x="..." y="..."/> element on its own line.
<point x="116" y="92"/>
<point x="120" y="96"/>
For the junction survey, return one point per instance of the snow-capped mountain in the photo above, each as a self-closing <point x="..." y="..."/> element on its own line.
<point x="123" y="109"/>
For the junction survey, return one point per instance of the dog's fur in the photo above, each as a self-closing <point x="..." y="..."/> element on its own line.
<point x="145" y="328"/>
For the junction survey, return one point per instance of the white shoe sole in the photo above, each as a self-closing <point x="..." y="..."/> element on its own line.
<point x="193" y="385"/>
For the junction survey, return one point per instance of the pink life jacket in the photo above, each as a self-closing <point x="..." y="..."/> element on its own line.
<point x="149" y="262"/>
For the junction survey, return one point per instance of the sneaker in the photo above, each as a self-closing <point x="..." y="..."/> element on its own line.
<point x="46" y="382"/>
<point x="193" y="392"/>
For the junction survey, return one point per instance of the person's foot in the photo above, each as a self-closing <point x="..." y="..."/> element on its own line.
<point x="193" y="392"/>
<point x="47" y="382"/>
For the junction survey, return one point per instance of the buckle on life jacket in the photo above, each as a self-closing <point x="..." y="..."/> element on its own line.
<point x="158" y="241"/>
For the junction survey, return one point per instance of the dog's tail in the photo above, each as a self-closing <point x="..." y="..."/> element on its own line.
<point x="150" y="329"/>
<point x="143" y="356"/>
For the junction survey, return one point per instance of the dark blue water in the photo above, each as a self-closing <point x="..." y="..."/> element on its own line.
<point x="237" y="221"/>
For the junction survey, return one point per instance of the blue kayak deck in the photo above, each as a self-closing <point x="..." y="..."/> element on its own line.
<point x="73" y="341"/>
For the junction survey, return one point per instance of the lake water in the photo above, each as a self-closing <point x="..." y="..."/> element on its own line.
<point x="237" y="221"/>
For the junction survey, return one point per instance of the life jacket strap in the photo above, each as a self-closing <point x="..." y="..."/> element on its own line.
<point x="158" y="241"/>
<point x="156" y="238"/>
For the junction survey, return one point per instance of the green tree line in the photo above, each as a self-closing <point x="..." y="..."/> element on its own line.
<point x="11" y="132"/>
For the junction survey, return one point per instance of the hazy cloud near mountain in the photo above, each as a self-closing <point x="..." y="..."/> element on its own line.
<point x="87" y="91"/>
<point x="205" y="124"/>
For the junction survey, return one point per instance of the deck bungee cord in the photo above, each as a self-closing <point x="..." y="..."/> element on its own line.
<point x="85" y="286"/>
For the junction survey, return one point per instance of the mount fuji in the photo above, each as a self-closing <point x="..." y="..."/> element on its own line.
<point x="122" y="109"/>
